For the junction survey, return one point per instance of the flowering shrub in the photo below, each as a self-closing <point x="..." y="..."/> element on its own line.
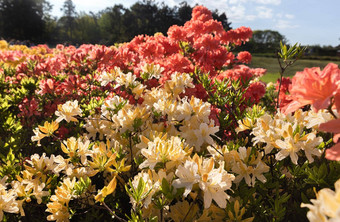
<point x="172" y="128"/>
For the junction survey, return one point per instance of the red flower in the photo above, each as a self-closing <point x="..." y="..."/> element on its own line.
<point x="201" y="13"/>
<point x="255" y="92"/>
<point x="29" y="108"/>
<point x="244" y="57"/>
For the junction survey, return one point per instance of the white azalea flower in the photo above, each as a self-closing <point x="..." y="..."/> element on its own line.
<point x="187" y="176"/>
<point x="68" y="111"/>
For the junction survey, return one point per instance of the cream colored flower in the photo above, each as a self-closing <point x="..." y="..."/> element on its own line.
<point x="248" y="165"/>
<point x="126" y="118"/>
<point x="128" y="80"/>
<point x="8" y="203"/>
<point x="310" y="146"/>
<point x="94" y="124"/>
<point x="58" y="207"/>
<point x="264" y="132"/>
<point x="44" y="131"/>
<point x="214" y="184"/>
<point x="204" y="134"/>
<point x="171" y="151"/>
<point x="326" y="206"/>
<point x="314" y="119"/>
<point x="288" y="147"/>
<point x="107" y="77"/>
<point x="37" y="136"/>
<point x="68" y="111"/>
<point x="177" y="84"/>
<point x="187" y="176"/>
<point x="110" y="106"/>
<point x="151" y="70"/>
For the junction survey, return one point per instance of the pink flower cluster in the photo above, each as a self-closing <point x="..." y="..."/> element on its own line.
<point x="284" y="95"/>
<point x="321" y="89"/>
<point x="67" y="73"/>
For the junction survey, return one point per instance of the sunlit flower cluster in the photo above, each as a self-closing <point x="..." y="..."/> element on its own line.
<point x="326" y="206"/>
<point x="164" y="128"/>
<point x="287" y="135"/>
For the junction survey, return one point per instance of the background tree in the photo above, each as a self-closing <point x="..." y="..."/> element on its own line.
<point x="25" y="19"/>
<point x="68" y="19"/>
<point x="86" y="29"/>
<point x="112" y="25"/>
<point x="265" y="41"/>
<point x="183" y="13"/>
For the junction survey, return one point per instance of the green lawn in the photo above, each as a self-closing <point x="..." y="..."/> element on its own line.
<point x="272" y="66"/>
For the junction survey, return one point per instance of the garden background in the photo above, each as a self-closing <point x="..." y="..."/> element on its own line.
<point x="159" y="113"/>
<point x="38" y="24"/>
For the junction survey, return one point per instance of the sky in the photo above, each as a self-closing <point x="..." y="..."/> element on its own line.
<point x="308" y="22"/>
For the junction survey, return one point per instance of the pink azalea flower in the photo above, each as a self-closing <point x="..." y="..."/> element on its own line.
<point x="332" y="126"/>
<point x="315" y="87"/>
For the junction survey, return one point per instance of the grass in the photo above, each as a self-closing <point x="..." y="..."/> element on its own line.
<point x="272" y="66"/>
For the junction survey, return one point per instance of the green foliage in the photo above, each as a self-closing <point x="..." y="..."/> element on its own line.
<point x="9" y="165"/>
<point x="294" y="52"/>
<point x="228" y="96"/>
<point x="82" y="185"/>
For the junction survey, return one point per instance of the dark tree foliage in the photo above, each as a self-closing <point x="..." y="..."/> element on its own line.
<point x="147" y="17"/>
<point x="112" y="25"/>
<point x="183" y="13"/>
<point x="265" y="41"/>
<point x="24" y="19"/>
<point x="68" y="19"/>
<point x="223" y="19"/>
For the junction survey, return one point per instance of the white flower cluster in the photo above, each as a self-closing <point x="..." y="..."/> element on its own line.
<point x="186" y="117"/>
<point x="246" y="163"/>
<point x="68" y="111"/>
<point x="7" y="199"/>
<point x="107" y="77"/>
<point x="212" y="181"/>
<point x="326" y="206"/>
<point x="290" y="134"/>
<point x="151" y="70"/>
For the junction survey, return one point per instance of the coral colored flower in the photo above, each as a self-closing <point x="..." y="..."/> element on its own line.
<point x="285" y="84"/>
<point x="284" y="96"/>
<point x="201" y="13"/>
<point x="332" y="126"/>
<point x="237" y="36"/>
<point x="47" y="86"/>
<point x="255" y="92"/>
<point x="315" y="87"/>
<point x="176" y="33"/>
<point x="244" y="57"/>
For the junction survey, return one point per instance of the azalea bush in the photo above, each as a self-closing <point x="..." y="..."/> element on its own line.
<point x="166" y="128"/>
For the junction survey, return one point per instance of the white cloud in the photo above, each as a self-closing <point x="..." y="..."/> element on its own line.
<point x="263" y="2"/>
<point x="264" y="12"/>
<point x="268" y="2"/>
<point x="238" y="13"/>
<point x="289" y="16"/>
<point x="285" y="24"/>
